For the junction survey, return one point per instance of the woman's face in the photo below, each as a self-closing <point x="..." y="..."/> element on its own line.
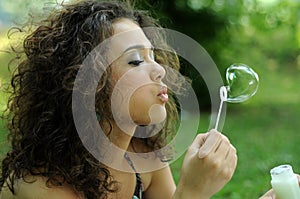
<point x="138" y="93"/>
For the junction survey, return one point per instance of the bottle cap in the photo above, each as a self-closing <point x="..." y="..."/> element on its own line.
<point x="282" y="172"/>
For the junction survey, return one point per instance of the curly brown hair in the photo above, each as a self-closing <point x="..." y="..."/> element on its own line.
<point x="44" y="140"/>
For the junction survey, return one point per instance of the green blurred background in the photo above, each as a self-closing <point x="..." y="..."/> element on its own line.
<point x="264" y="34"/>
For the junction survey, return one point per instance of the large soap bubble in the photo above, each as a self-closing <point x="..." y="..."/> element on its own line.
<point x="242" y="83"/>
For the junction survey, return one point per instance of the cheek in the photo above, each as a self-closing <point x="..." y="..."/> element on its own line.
<point x="144" y="109"/>
<point x="139" y="104"/>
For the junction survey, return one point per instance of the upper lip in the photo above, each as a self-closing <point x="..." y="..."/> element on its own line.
<point x="163" y="90"/>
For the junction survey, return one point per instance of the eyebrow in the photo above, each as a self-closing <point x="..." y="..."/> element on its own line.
<point x="138" y="47"/>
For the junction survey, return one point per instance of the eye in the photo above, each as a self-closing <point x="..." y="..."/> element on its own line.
<point x="136" y="62"/>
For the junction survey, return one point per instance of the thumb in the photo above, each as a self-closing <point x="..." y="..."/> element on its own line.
<point x="198" y="142"/>
<point x="210" y="144"/>
<point x="267" y="197"/>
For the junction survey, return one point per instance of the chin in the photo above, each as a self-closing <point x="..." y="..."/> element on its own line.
<point x="157" y="114"/>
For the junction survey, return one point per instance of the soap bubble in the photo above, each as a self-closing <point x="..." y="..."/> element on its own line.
<point x="242" y="83"/>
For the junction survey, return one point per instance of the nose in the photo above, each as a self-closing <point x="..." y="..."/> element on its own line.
<point x="158" y="72"/>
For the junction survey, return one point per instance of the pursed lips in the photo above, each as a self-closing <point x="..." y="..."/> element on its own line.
<point x="163" y="94"/>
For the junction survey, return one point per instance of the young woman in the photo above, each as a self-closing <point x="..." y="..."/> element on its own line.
<point x="48" y="158"/>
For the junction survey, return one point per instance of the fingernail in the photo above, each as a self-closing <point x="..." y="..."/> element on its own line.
<point x="214" y="131"/>
<point x="202" y="154"/>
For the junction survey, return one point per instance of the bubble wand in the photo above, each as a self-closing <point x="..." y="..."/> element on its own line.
<point x="242" y="85"/>
<point x="223" y="96"/>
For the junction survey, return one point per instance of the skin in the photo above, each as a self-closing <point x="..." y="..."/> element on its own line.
<point x="209" y="162"/>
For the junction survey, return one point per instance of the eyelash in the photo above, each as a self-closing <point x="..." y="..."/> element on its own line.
<point x="136" y="62"/>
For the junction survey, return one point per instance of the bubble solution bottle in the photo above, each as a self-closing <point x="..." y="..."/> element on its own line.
<point x="285" y="182"/>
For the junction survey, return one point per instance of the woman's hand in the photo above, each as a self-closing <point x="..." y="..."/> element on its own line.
<point x="208" y="165"/>
<point x="271" y="195"/>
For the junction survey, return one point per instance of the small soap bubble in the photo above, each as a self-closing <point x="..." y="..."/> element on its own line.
<point x="242" y="83"/>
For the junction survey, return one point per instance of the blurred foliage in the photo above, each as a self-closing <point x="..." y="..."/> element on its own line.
<point x="264" y="34"/>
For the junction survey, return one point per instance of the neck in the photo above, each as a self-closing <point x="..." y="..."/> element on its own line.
<point x="120" y="136"/>
<point x="121" y="139"/>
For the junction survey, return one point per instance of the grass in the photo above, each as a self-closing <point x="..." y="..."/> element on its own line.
<point x="4" y="146"/>
<point x="264" y="138"/>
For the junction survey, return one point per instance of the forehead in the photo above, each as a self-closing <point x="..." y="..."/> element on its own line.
<point x="127" y="35"/>
<point x="123" y="25"/>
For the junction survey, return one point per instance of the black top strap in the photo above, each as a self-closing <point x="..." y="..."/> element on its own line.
<point x="138" y="192"/>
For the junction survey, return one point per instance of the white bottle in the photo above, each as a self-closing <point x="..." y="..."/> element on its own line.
<point x="285" y="182"/>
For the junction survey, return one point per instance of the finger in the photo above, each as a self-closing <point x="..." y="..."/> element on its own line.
<point x="232" y="158"/>
<point x="269" y="195"/>
<point x="266" y="197"/>
<point x="197" y="143"/>
<point x="211" y="143"/>
<point x="231" y="152"/>
<point x="224" y="147"/>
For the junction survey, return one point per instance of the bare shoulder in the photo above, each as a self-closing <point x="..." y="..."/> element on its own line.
<point x="162" y="184"/>
<point x="35" y="188"/>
